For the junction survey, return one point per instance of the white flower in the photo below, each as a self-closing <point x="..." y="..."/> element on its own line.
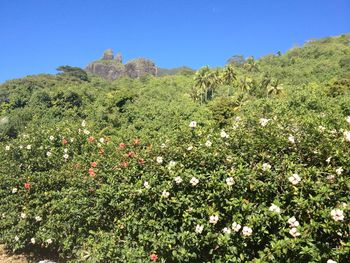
<point x="14" y="190"/>
<point x="213" y="219"/>
<point x="7" y="147"/>
<point x="189" y="148"/>
<point x="230" y="181"/>
<point x="159" y="159"/>
<point x="331" y="261"/>
<point x="199" y="229"/>
<point x="171" y="164"/>
<point x="49" y="241"/>
<point x="16" y="238"/>
<point x="146" y="185"/>
<point x="21" y="146"/>
<point x="178" y="180"/>
<point x="48" y="154"/>
<point x="328" y="160"/>
<point x="226" y="230"/>
<point x="293" y="222"/>
<point x="102" y="140"/>
<point x="321" y="128"/>
<point x="339" y="170"/>
<point x="263" y="122"/>
<point x="337" y="214"/>
<point x="165" y="194"/>
<point x="193" y="124"/>
<point x="23" y="215"/>
<point x="65" y="150"/>
<point x="83" y="123"/>
<point x="266" y="167"/>
<point x="346" y="135"/>
<point x="331" y="178"/>
<point x="208" y="143"/>
<point x="294" y="232"/>
<point x="238" y="119"/>
<point x="32" y="240"/>
<point x="247" y="231"/>
<point x="291" y="139"/>
<point x="294" y="179"/>
<point x="29" y="147"/>
<point x="348" y="119"/>
<point x="51" y="138"/>
<point x="194" y="181"/>
<point x="274" y="208"/>
<point x="223" y="134"/>
<point x="38" y="218"/>
<point x="71" y="139"/>
<point x="236" y="227"/>
<point x="66" y="156"/>
<point x="86" y="132"/>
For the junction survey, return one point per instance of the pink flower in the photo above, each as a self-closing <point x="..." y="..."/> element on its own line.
<point x="130" y="154"/>
<point x="27" y="185"/>
<point x="153" y="257"/>
<point x="94" y="164"/>
<point x="121" y="145"/>
<point x="91" y="139"/>
<point x="124" y="164"/>
<point x="92" y="172"/>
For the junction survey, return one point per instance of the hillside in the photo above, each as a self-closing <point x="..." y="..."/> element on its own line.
<point x="244" y="163"/>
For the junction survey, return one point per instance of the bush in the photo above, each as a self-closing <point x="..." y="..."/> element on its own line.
<point x="95" y="198"/>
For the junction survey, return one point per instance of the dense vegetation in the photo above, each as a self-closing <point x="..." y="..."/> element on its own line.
<point x="245" y="163"/>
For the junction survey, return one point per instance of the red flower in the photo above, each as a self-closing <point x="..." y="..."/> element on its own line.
<point x="92" y="172"/>
<point x="121" y="145"/>
<point x="153" y="257"/>
<point x="27" y="185"/>
<point x="125" y="164"/>
<point x="141" y="161"/>
<point x="137" y="141"/>
<point x="130" y="154"/>
<point x="64" y="141"/>
<point x="93" y="164"/>
<point x="91" y="139"/>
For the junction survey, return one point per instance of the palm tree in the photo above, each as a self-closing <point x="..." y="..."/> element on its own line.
<point x="275" y="88"/>
<point x="201" y="82"/>
<point x="214" y="80"/>
<point x="228" y="77"/>
<point x="251" y="65"/>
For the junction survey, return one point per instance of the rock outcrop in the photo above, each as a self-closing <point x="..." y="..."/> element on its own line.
<point x="112" y="68"/>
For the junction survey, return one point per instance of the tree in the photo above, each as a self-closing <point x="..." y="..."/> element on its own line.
<point x="73" y="72"/>
<point x="236" y="60"/>
<point x="251" y="65"/>
<point x="201" y="83"/>
<point x="274" y="88"/>
<point x="228" y="77"/>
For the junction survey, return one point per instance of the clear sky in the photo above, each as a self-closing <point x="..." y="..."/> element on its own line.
<point x="37" y="36"/>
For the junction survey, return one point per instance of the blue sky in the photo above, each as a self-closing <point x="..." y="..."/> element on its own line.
<point x="37" y="36"/>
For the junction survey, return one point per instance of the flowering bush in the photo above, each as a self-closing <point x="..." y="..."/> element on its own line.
<point x="251" y="195"/>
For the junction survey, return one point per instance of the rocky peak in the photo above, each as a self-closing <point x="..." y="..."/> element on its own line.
<point x="108" y="55"/>
<point x="111" y="68"/>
